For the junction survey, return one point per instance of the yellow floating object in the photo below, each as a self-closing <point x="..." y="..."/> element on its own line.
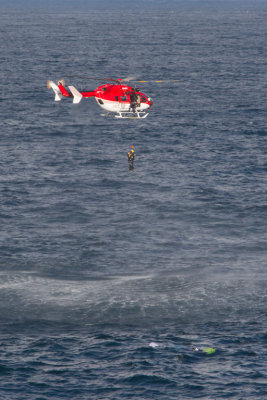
<point x="208" y="350"/>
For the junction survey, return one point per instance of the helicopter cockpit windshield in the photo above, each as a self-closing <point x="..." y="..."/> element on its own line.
<point x="145" y="99"/>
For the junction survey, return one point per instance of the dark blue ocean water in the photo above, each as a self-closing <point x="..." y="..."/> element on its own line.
<point x="98" y="261"/>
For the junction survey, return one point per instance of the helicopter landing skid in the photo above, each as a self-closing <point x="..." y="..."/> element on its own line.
<point x="130" y="114"/>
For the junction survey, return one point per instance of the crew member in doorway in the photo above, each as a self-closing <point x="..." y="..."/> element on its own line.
<point x="135" y="100"/>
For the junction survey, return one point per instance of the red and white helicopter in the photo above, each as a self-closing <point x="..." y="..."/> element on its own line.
<point x="115" y="97"/>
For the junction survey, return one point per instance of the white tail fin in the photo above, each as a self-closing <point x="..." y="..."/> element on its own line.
<point x="77" y="96"/>
<point x="58" y="94"/>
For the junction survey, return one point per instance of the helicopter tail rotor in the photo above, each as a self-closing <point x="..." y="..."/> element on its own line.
<point x="52" y="85"/>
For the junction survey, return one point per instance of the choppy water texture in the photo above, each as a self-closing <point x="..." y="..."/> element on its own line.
<point x="97" y="261"/>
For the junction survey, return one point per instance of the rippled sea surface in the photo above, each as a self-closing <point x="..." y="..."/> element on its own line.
<point x="109" y="277"/>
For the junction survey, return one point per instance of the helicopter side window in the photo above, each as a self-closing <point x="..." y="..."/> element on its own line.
<point x="117" y="98"/>
<point x="123" y="98"/>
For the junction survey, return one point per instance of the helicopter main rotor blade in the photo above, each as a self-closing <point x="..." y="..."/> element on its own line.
<point x="120" y="81"/>
<point x="128" y="79"/>
<point x="93" y="79"/>
<point x="159" y="81"/>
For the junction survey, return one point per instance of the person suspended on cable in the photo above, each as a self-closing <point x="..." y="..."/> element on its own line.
<point x="131" y="154"/>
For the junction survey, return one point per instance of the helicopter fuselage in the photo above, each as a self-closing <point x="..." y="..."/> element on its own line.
<point x="117" y="98"/>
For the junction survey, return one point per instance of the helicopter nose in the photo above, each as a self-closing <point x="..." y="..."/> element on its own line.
<point x="150" y="102"/>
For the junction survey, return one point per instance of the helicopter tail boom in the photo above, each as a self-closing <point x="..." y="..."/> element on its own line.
<point x="61" y="91"/>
